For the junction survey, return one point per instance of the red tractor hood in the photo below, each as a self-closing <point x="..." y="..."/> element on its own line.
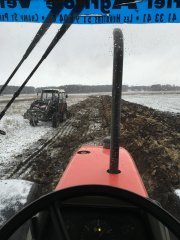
<point x="89" y="165"/>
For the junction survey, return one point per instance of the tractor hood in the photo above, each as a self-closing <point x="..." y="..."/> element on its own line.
<point x="14" y="195"/>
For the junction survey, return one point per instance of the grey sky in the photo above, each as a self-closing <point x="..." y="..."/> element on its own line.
<point x="84" y="55"/>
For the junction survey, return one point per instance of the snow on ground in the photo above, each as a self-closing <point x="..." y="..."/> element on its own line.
<point x="162" y="102"/>
<point x="177" y="192"/>
<point x="14" y="194"/>
<point x="19" y="133"/>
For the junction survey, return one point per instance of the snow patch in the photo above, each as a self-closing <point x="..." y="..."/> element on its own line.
<point x="13" y="196"/>
<point x="19" y="135"/>
<point x="177" y="192"/>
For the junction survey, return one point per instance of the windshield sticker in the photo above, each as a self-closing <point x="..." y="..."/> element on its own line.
<point x="94" y="11"/>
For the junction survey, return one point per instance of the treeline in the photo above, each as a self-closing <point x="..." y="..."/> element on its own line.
<point x="85" y="88"/>
<point x="13" y="89"/>
<point x="93" y="89"/>
<point x="108" y="88"/>
<point x="155" y="87"/>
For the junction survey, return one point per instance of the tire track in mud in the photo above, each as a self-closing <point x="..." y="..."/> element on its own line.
<point x="64" y="129"/>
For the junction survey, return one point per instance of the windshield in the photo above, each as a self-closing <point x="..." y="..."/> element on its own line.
<point x="48" y="96"/>
<point x="40" y="141"/>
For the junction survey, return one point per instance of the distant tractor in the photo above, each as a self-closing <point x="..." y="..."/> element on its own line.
<point x="51" y="106"/>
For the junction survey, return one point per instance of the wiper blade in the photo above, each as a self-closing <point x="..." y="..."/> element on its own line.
<point x="44" y="27"/>
<point x="66" y="25"/>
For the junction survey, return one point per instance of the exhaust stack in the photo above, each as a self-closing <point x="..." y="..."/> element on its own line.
<point x="116" y="101"/>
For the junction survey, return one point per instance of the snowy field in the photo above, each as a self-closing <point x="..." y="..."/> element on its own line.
<point x="162" y="102"/>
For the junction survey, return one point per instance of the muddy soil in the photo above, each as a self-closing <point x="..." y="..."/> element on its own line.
<point x="152" y="138"/>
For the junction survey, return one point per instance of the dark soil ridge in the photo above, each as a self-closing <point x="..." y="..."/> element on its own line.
<point x="152" y="137"/>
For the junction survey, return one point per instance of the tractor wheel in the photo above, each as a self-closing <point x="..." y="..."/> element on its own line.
<point x="61" y="117"/>
<point x="33" y="122"/>
<point x="55" y="120"/>
<point x="64" y="116"/>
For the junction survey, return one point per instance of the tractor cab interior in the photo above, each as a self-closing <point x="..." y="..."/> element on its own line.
<point x="92" y="212"/>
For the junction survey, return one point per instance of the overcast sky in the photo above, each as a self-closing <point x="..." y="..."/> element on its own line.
<point x="84" y="55"/>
